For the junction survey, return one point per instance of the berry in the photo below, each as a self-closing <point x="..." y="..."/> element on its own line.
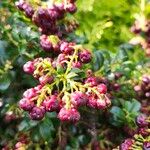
<point x="61" y="59"/>
<point x="37" y="113"/>
<point x="143" y="131"/>
<point x="23" y="6"/>
<point x="78" y="99"/>
<point x="147" y="94"/>
<point x="116" y="87"/>
<point x="29" y="11"/>
<point x="46" y="79"/>
<point x="61" y="10"/>
<point x="69" y="115"/>
<point x="71" y="8"/>
<point x="38" y="88"/>
<point x="101" y="104"/>
<point x="137" y="88"/>
<point x="56" y="11"/>
<point x="141" y="121"/>
<point x="45" y="43"/>
<point x="49" y="43"/>
<point x="9" y="116"/>
<point x="85" y="56"/>
<point x="143" y="89"/>
<point x="118" y="75"/>
<point x="42" y="19"/>
<point x="26" y="104"/>
<point x="146" y="79"/>
<point x="30" y="93"/>
<point x="28" y="67"/>
<point x="89" y="73"/>
<point x="51" y="104"/>
<point x="146" y="146"/>
<point x="19" y="146"/>
<point x="126" y="145"/>
<point x="53" y="13"/>
<point x="20" y="4"/>
<point x="66" y="47"/>
<point x="92" y="102"/>
<point x="107" y="100"/>
<point x="92" y="81"/>
<point x="102" y="88"/>
<point x="77" y="64"/>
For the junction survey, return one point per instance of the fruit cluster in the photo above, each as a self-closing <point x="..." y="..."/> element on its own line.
<point x="141" y="140"/>
<point x="142" y="30"/>
<point x="143" y="89"/>
<point x="63" y="86"/>
<point x="51" y="18"/>
<point x="143" y="93"/>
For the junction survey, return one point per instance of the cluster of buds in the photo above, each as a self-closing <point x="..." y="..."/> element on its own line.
<point x="143" y="93"/>
<point x="140" y="140"/>
<point x="142" y="31"/>
<point x="51" y="18"/>
<point x="26" y="8"/>
<point x="63" y="86"/>
<point x="143" y="89"/>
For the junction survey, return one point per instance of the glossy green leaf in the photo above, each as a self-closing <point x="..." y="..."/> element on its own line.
<point x="98" y="60"/>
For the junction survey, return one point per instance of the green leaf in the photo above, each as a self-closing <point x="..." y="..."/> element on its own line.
<point x="27" y="124"/>
<point x="122" y="55"/>
<point x="71" y="75"/>
<point x="4" y="82"/>
<point x="76" y="70"/>
<point x="3" y="45"/>
<point x="80" y="73"/>
<point x="117" y="112"/>
<point x="46" y="129"/>
<point x="60" y="69"/>
<point x="74" y="143"/>
<point x="127" y="46"/>
<point x="133" y="106"/>
<point x="84" y="139"/>
<point x="98" y="60"/>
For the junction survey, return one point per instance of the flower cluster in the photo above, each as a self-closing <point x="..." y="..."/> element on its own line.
<point x="63" y="86"/>
<point x="142" y="29"/>
<point x="141" y="140"/>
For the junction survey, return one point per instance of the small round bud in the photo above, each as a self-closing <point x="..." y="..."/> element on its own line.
<point x="78" y="99"/>
<point x="51" y="104"/>
<point x="102" y="88"/>
<point x="69" y="115"/>
<point x="37" y="113"/>
<point x="28" y="67"/>
<point x="85" y="56"/>
<point x="141" y="121"/>
<point x="26" y="104"/>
